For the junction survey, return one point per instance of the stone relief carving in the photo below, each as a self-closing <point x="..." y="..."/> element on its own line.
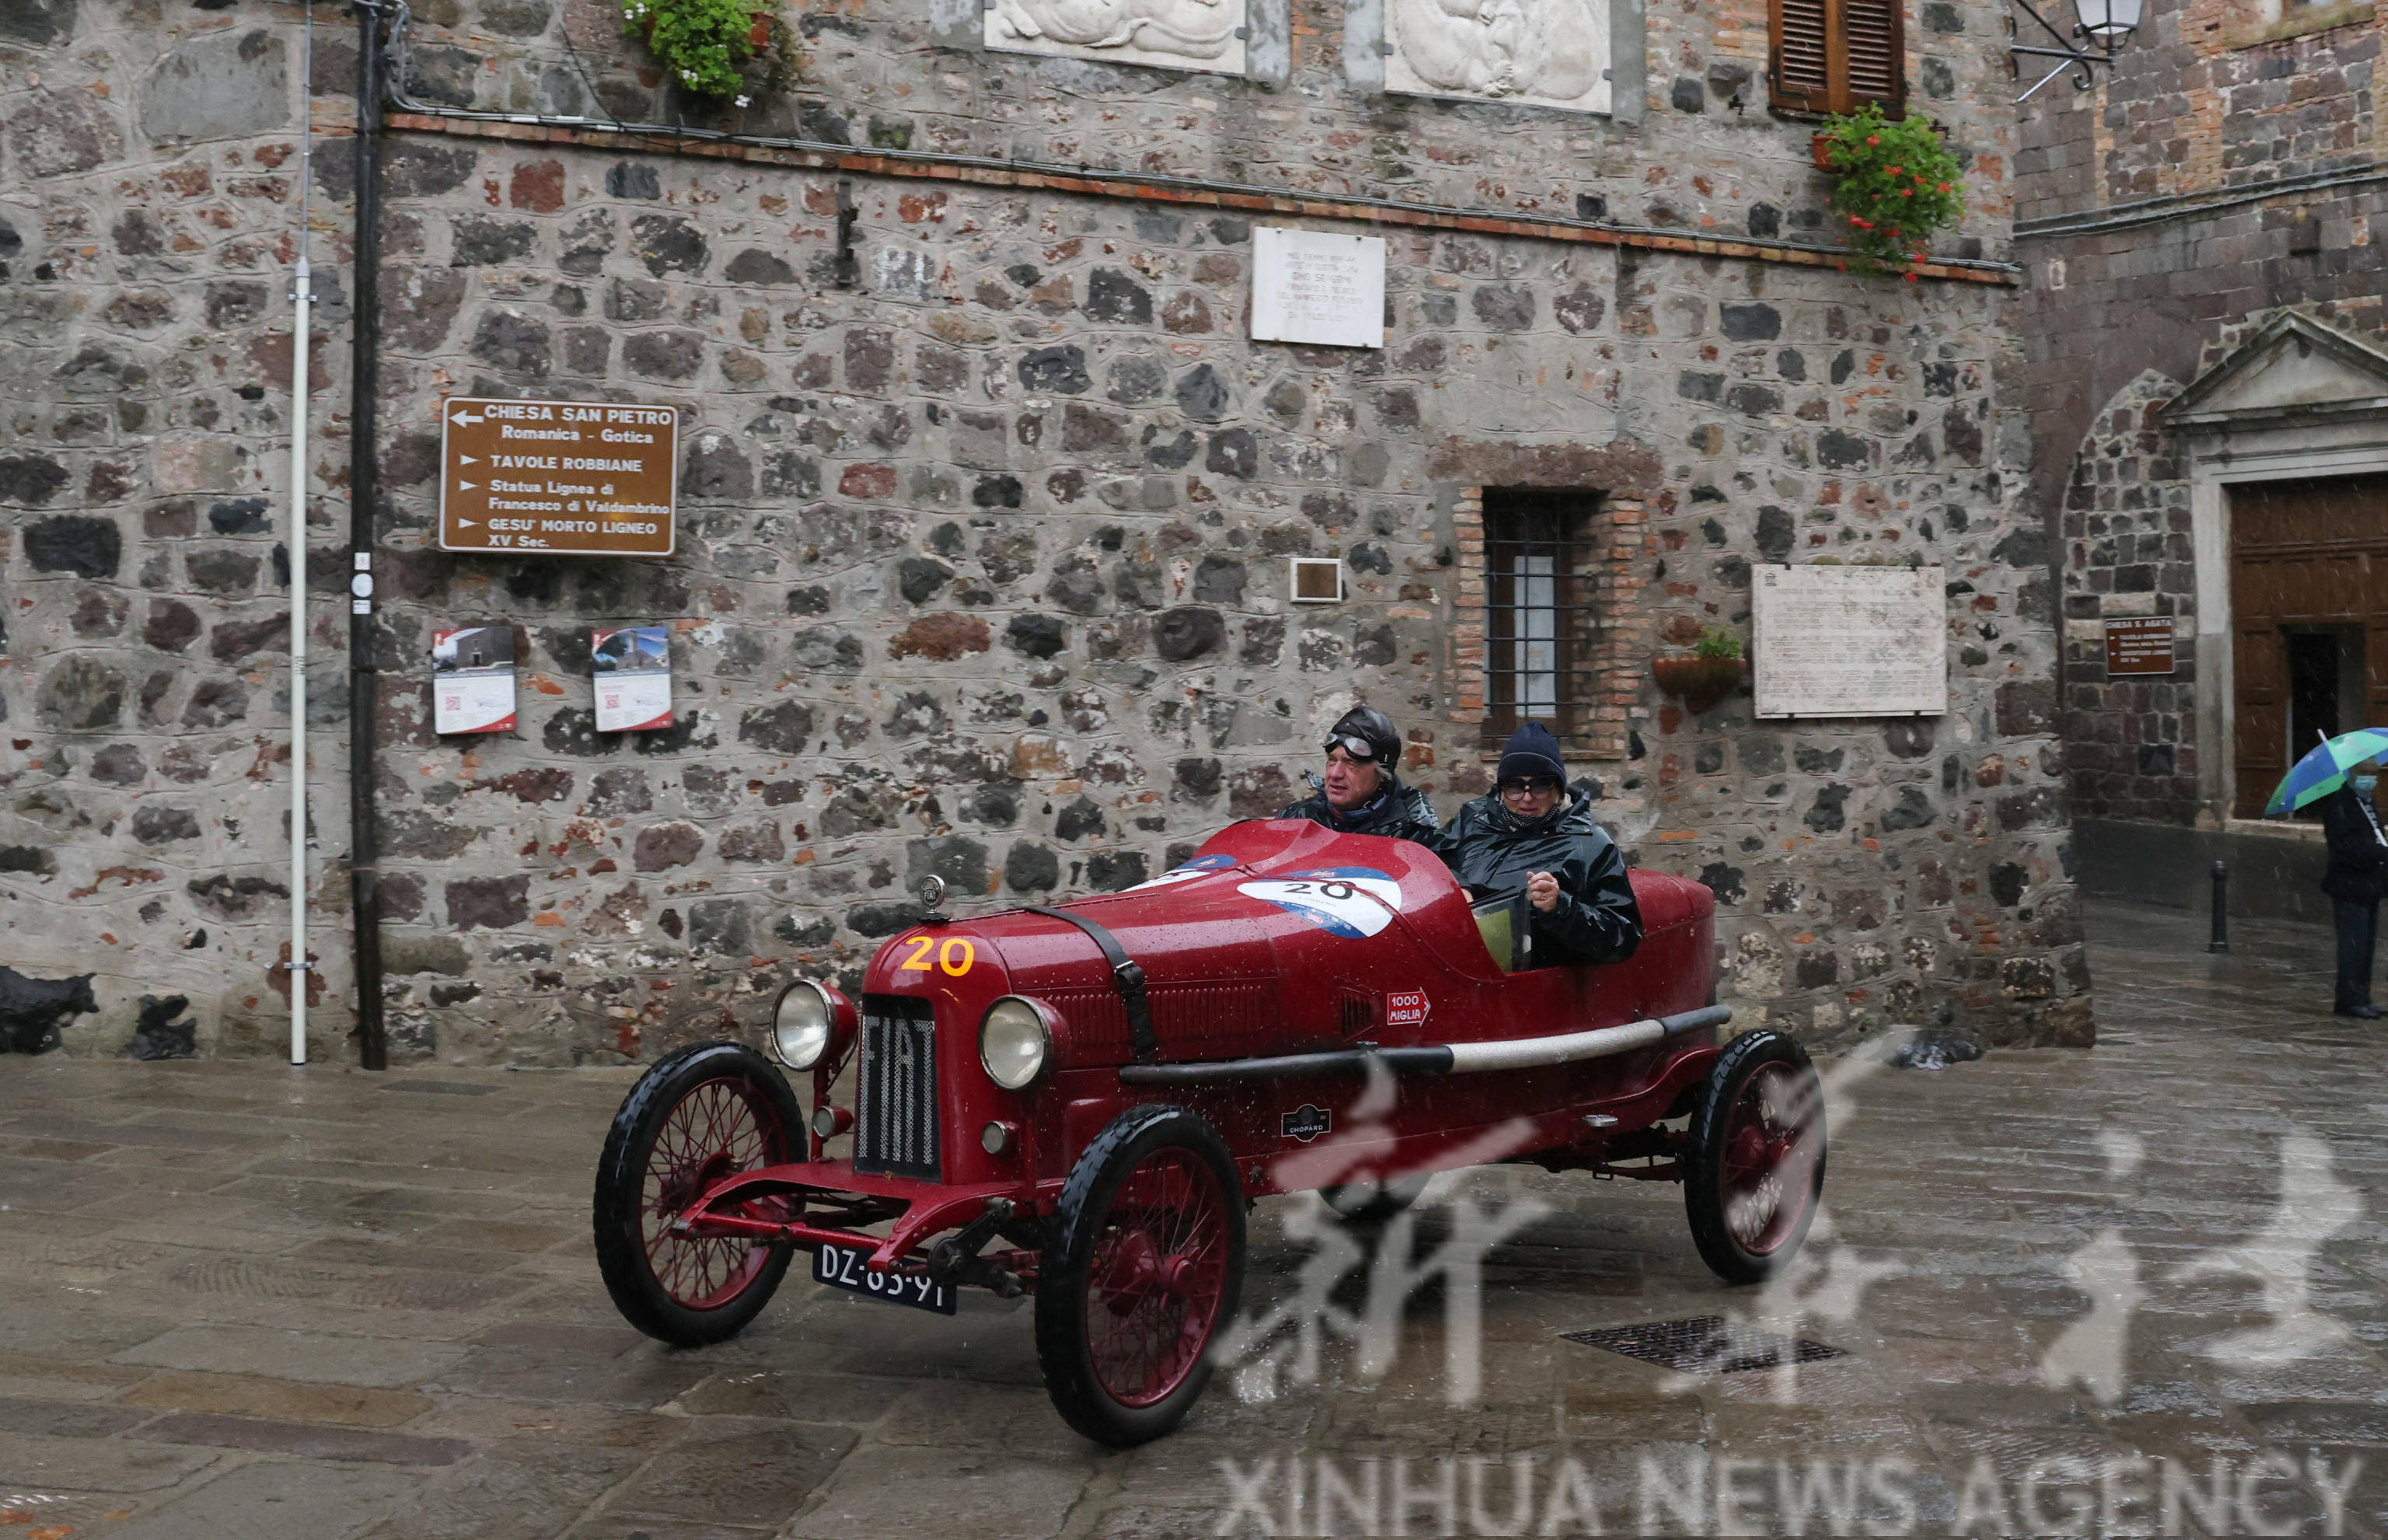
<point x="1551" y="53"/>
<point x="1181" y="34"/>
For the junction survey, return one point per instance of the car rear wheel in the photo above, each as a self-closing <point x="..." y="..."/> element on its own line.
<point x="703" y="1114"/>
<point x="1754" y="1168"/>
<point x="1144" y="1262"/>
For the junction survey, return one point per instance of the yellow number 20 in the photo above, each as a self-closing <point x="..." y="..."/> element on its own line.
<point x="955" y="956"/>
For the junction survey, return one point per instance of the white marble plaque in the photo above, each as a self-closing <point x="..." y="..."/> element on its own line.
<point x="1548" y="53"/>
<point x="1310" y="287"/>
<point x="1850" y="641"/>
<point x="1175" y="34"/>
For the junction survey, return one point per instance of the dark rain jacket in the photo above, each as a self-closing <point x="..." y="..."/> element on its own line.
<point x="1395" y="812"/>
<point x="2358" y="862"/>
<point x="1492" y="851"/>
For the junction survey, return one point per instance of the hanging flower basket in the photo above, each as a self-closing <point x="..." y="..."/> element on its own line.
<point x="1699" y="682"/>
<point x="1897" y="186"/>
<point x="704" y="45"/>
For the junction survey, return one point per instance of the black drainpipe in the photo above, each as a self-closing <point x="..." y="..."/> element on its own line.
<point x="365" y="844"/>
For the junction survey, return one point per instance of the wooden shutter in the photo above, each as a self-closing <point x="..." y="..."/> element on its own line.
<point x="1831" y="55"/>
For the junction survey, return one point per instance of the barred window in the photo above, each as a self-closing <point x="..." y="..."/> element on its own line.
<point x="1539" y="619"/>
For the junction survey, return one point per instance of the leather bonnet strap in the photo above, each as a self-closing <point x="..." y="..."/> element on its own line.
<point x="1127" y="976"/>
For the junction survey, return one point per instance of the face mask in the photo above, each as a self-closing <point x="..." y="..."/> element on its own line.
<point x="2364" y="784"/>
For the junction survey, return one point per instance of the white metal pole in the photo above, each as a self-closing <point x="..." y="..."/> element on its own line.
<point x="303" y="297"/>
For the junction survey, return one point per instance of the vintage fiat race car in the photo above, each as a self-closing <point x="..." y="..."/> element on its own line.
<point x="1082" y="1103"/>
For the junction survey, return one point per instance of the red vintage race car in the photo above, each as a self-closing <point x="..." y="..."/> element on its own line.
<point x="1081" y="1102"/>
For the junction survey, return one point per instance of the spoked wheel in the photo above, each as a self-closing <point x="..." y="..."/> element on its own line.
<point x="1372" y="1200"/>
<point x="700" y="1114"/>
<point x="1754" y="1166"/>
<point x="1144" y="1263"/>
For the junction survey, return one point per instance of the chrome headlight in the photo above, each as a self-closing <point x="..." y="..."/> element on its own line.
<point x="1014" y="1039"/>
<point x="803" y="1022"/>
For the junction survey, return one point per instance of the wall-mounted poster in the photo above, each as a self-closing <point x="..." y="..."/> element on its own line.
<point x="473" y="680"/>
<point x="1850" y="641"/>
<point x="633" y="668"/>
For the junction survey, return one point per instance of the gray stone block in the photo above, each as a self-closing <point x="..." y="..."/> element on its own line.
<point x="222" y="86"/>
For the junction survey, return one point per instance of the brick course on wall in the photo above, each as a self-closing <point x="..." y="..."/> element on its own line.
<point x="983" y="560"/>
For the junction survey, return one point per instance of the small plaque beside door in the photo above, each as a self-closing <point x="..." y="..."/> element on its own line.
<point x="2139" y="644"/>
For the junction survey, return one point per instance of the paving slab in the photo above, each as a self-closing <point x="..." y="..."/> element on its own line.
<point x="277" y="1501"/>
<point x="380" y="1363"/>
<point x="731" y="1473"/>
<point x="899" y="1491"/>
<point x="520" y="1490"/>
<point x="38" y="1462"/>
<point x="255" y="1396"/>
<point x="302" y="1440"/>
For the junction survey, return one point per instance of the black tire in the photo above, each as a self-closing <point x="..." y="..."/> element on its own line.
<point x="1088" y="1223"/>
<point x="1738" y="1145"/>
<point x="1365" y="1203"/>
<point x="742" y="1081"/>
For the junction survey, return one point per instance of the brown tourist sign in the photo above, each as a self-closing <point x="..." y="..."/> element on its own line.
<point x="575" y="478"/>
<point x="2139" y="644"/>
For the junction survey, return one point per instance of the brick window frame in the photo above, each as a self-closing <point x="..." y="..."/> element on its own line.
<point x="1610" y="656"/>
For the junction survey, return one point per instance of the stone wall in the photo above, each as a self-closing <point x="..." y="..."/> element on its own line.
<point x="2160" y="212"/>
<point x="983" y="560"/>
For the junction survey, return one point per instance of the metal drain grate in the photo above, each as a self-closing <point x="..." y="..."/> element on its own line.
<point x="1706" y="1344"/>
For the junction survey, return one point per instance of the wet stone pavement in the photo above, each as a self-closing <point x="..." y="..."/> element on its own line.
<point x="2139" y="1290"/>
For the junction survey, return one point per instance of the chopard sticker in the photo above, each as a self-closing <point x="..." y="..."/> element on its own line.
<point x="1307" y="1123"/>
<point x="1350" y="901"/>
<point x="1200" y="866"/>
<point x="1406" y="1008"/>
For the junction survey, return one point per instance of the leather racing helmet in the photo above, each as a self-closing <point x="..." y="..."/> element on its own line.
<point x="1366" y="733"/>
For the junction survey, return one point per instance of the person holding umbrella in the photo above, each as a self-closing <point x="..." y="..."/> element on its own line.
<point x="2355" y="878"/>
<point x="2342" y="776"/>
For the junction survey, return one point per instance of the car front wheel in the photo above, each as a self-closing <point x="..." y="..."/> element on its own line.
<point x="701" y="1114"/>
<point x="1143" y="1263"/>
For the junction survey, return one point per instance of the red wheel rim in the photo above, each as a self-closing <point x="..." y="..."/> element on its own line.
<point x="720" y="1127"/>
<point x="1157" y="1276"/>
<point x="1767" y="1179"/>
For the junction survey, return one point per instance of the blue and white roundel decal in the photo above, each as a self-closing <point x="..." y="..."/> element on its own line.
<point x="1353" y="901"/>
<point x="1200" y="866"/>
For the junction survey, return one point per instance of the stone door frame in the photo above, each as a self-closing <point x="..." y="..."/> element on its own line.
<point x="2222" y="455"/>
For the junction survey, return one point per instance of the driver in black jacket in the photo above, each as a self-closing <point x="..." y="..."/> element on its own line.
<point x="1361" y="794"/>
<point x="1530" y="833"/>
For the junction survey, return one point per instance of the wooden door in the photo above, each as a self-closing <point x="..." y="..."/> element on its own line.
<point x="2302" y="553"/>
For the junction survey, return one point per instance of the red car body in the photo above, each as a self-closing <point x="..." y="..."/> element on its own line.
<point x="1229" y="976"/>
<point x="1285" y="970"/>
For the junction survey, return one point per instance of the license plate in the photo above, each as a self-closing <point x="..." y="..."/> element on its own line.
<point x="846" y="1268"/>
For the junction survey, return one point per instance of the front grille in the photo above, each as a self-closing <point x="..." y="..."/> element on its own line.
<point x="896" y="1097"/>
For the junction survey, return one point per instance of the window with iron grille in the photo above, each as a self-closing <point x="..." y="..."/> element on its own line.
<point x="1540" y="620"/>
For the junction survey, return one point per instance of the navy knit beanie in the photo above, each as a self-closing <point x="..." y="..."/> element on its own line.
<point x="1531" y="751"/>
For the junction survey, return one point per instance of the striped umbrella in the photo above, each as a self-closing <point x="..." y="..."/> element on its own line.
<point x="2324" y="770"/>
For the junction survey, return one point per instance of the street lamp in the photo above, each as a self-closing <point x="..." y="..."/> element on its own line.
<point x="2104" y="25"/>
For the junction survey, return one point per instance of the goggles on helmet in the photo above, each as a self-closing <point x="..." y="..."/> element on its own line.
<point x="1358" y="749"/>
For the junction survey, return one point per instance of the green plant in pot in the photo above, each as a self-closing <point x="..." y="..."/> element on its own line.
<point x="1712" y="671"/>
<point x="704" y="45"/>
<point x="1895" y="185"/>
